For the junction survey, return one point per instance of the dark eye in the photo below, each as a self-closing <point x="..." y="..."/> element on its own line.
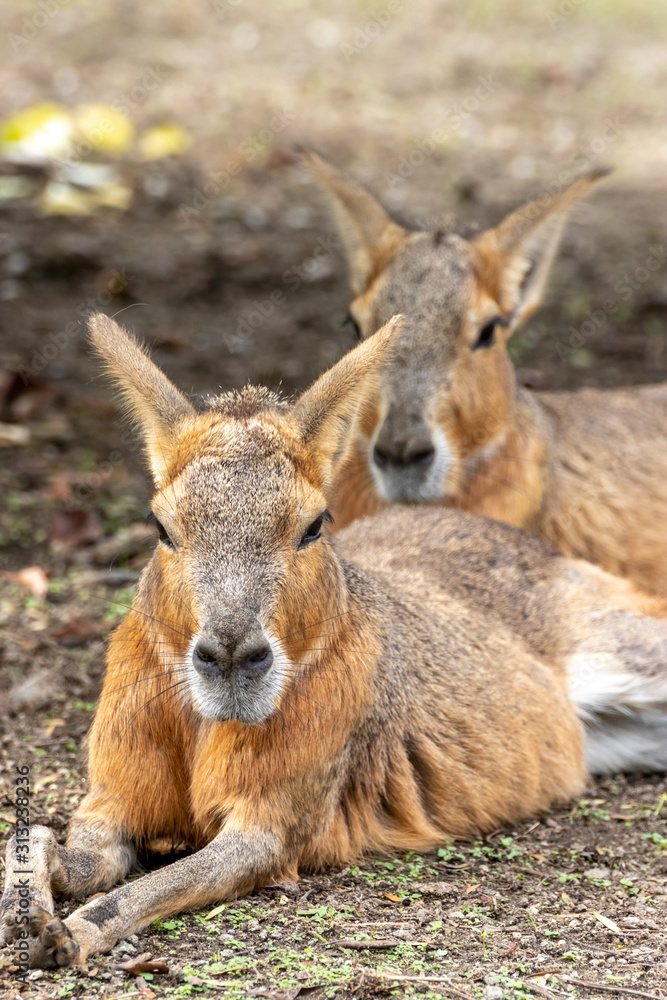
<point x="161" y="531"/>
<point x="314" y="530"/>
<point x="163" y="536"/>
<point x="355" y="326"/>
<point x="487" y="335"/>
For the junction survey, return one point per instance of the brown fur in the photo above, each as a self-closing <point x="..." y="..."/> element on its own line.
<point x="419" y="686"/>
<point x="587" y="471"/>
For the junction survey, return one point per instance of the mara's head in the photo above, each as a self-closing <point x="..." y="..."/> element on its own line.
<point x="448" y="397"/>
<point x="243" y="569"/>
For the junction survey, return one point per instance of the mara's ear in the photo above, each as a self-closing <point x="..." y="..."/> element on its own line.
<point x="513" y="260"/>
<point x="368" y="233"/>
<point x="327" y="414"/>
<point x="156" y="405"/>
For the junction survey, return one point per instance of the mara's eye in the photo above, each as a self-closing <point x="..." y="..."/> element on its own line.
<point x="161" y="531"/>
<point x="355" y="326"/>
<point x="163" y="536"/>
<point x="487" y="335"/>
<point x="314" y="530"/>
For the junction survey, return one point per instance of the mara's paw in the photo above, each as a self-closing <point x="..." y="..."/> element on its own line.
<point x="51" y="942"/>
<point x="21" y="918"/>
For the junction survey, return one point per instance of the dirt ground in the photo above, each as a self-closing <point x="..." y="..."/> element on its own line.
<point x="570" y="904"/>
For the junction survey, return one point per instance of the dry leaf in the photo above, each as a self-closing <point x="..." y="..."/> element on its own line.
<point x="34" y="579"/>
<point x="607" y="922"/>
<point x="144" y="963"/>
<point x="77" y="632"/>
<point x="70" y="529"/>
<point x="50" y="726"/>
<point x="46" y="779"/>
<point x="392" y="897"/>
<point x="13" y="435"/>
<point x="471" y="888"/>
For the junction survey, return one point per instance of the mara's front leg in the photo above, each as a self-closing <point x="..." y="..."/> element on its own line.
<point x="97" y="856"/>
<point x="232" y="864"/>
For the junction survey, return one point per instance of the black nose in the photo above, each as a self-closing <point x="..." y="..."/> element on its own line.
<point x="213" y="659"/>
<point x="254" y="659"/>
<point x="404" y="454"/>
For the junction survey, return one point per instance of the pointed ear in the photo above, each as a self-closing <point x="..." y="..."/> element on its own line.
<point x="369" y="235"/>
<point x="151" y="400"/>
<point x="328" y="414"/>
<point x="514" y="259"/>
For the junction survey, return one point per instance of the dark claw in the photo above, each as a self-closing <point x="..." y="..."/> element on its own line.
<point x="10" y="928"/>
<point x="38" y="918"/>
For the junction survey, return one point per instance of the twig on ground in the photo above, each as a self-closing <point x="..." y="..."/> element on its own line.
<point x="612" y="989"/>
<point x="543" y="991"/>
<point x="442" y="980"/>
<point x="368" y="943"/>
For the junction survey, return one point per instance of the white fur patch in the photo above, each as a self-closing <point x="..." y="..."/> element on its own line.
<point x="222" y="698"/>
<point x="624" y="713"/>
<point x="403" y="485"/>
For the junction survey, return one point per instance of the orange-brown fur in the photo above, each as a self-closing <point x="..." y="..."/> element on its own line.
<point x="587" y="471"/>
<point x="419" y="686"/>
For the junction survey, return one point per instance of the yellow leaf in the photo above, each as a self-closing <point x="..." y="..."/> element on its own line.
<point x="114" y="196"/>
<point x="64" y="199"/>
<point x="163" y="140"/>
<point x="106" y="129"/>
<point x="471" y="888"/>
<point x="43" y="131"/>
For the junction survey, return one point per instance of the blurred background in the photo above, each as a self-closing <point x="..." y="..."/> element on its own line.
<point x="147" y="165"/>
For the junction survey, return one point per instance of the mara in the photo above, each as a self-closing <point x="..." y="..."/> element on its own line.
<point x="586" y="470"/>
<point x="281" y="699"/>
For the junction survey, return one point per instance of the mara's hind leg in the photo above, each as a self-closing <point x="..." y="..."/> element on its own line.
<point x="94" y="859"/>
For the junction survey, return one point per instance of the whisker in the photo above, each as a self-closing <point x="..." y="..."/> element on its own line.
<point x="314" y="624"/>
<point x="160" y="694"/>
<point x="118" y="604"/>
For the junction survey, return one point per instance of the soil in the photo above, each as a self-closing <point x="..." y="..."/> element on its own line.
<point x="235" y="275"/>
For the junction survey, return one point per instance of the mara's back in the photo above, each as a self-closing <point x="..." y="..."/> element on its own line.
<point x="605" y="493"/>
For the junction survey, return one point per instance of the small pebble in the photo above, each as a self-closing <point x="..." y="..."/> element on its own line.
<point x="492" y="993"/>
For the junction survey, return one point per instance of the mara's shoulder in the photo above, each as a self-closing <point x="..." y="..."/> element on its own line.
<point x="419" y="529"/>
<point x="442" y="550"/>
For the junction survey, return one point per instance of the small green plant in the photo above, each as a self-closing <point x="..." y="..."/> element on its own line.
<point x="174" y="928"/>
<point x="88" y="706"/>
